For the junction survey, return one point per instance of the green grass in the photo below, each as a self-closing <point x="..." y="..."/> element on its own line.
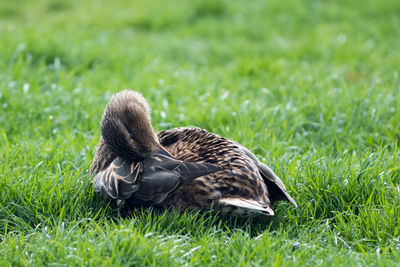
<point x="311" y="87"/>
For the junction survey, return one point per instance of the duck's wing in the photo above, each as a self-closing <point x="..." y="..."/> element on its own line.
<point x="148" y="182"/>
<point x="119" y="180"/>
<point x="162" y="175"/>
<point x="275" y="186"/>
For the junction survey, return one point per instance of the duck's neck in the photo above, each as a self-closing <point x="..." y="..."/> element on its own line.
<point x="103" y="158"/>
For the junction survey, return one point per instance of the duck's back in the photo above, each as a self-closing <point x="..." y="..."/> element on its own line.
<point x="238" y="189"/>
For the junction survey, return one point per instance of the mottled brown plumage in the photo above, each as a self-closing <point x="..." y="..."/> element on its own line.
<point x="130" y="163"/>
<point x="242" y="186"/>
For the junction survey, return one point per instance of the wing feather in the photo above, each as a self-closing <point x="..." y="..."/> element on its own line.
<point x="275" y="186"/>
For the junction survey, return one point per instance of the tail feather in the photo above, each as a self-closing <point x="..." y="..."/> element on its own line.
<point x="247" y="204"/>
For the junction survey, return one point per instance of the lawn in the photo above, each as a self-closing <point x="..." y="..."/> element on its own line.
<point x="311" y="87"/>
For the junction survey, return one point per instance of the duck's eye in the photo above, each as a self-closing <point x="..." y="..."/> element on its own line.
<point x="132" y="136"/>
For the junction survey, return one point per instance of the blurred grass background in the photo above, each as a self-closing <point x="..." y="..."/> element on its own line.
<point x="311" y="87"/>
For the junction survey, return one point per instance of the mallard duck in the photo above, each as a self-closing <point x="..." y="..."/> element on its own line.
<point x="243" y="186"/>
<point x="130" y="162"/>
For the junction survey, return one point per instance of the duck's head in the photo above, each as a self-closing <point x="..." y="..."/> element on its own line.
<point x="126" y="127"/>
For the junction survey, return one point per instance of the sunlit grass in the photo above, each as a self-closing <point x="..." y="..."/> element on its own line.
<point x="312" y="88"/>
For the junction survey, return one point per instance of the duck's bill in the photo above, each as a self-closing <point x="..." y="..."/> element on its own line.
<point x="163" y="151"/>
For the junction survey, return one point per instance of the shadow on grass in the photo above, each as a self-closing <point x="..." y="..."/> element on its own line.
<point x="193" y="222"/>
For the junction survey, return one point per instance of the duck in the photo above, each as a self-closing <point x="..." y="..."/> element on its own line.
<point x="130" y="163"/>
<point x="244" y="188"/>
<point x="237" y="184"/>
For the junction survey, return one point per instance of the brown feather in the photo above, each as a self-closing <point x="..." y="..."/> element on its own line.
<point x="241" y="186"/>
<point x="241" y="176"/>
